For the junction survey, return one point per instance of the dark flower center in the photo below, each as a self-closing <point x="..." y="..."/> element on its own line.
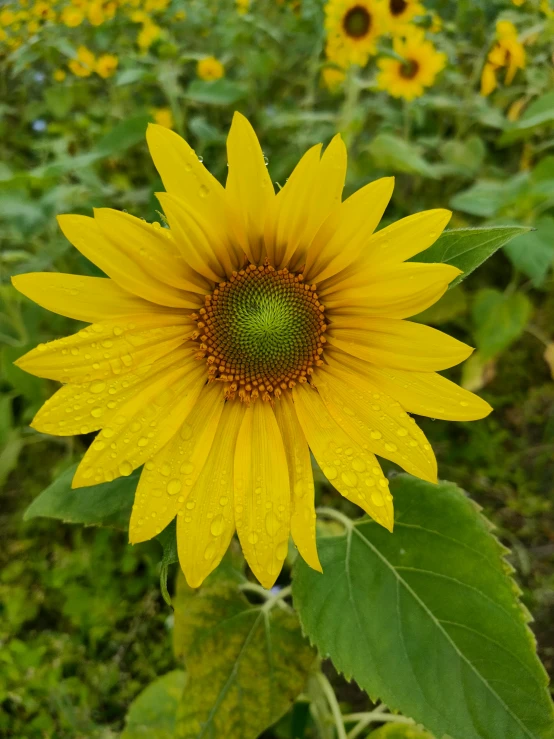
<point x="409" y="69"/>
<point x="357" y="22"/>
<point x="397" y="7"/>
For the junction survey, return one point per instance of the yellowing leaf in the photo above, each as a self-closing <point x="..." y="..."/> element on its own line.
<point x="245" y="664"/>
<point x="549" y="357"/>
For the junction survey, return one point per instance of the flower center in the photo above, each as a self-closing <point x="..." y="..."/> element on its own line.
<point x="357" y="22"/>
<point x="409" y="69"/>
<point x="397" y="7"/>
<point x="261" y="332"/>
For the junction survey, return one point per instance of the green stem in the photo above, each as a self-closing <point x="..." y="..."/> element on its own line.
<point x="337" y="515"/>
<point x="375" y="716"/>
<point x="331" y="698"/>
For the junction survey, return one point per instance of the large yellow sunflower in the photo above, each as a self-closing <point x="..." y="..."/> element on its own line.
<point x="421" y="63"/>
<point x="258" y="327"/>
<point x="352" y="28"/>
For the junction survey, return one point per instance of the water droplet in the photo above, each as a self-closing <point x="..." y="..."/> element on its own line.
<point x="187" y="468"/>
<point x="97" y="387"/>
<point x="108" y="432"/>
<point x="281" y="550"/>
<point x="96" y="412"/>
<point x="143" y="441"/>
<point x="358" y="464"/>
<point x="376" y="434"/>
<point x="204" y="192"/>
<point x="173" y="487"/>
<point x="125" y="469"/>
<point x="209" y="552"/>
<point x="201" y="159"/>
<point x="223" y="500"/>
<point x="217" y="526"/>
<point x="349" y="478"/>
<point x="252" y="537"/>
<point x="402" y="432"/>
<point x="271" y="523"/>
<point x="463" y="403"/>
<point x="330" y="472"/>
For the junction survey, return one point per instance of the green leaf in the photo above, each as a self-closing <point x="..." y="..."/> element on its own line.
<point x="152" y="715"/>
<point x="499" y="320"/>
<point x="126" y="134"/>
<point x="394" y="154"/>
<point x="468" y="248"/>
<point x="537" y="114"/>
<point x="108" y="504"/>
<point x="484" y="198"/>
<point x="398" y="731"/>
<point x="428" y="619"/>
<point x="245" y="664"/>
<point x="533" y="253"/>
<point x="218" y="92"/>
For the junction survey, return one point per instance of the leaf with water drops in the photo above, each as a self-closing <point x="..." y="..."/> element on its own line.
<point x="100" y="505"/>
<point x="428" y="619"/>
<point x="245" y="664"/>
<point x="468" y="248"/>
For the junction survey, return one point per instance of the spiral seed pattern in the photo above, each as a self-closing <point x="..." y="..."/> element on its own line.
<point x="261" y="332"/>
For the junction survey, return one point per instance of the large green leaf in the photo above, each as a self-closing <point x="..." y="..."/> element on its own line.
<point x="394" y="154"/>
<point x="533" y="253"/>
<point x="152" y="715"/>
<point x="500" y="319"/>
<point x="108" y="504"/>
<point x="467" y="248"/>
<point x="397" y="731"/>
<point x="218" y="92"/>
<point x="245" y="664"/>
<point x="428" y="619"/>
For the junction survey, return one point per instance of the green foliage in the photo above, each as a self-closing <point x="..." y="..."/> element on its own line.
<point x="467" y="249"/>
<point x="500" y="319"/>
<point x="428" y="619"/>
<point x="153" y="713"/>
<point x="245" y="665"/>
<point x="394" y="731"/>
<point x="108" y="504"/>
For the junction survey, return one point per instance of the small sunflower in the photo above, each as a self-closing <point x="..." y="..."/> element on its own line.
<point x="507" y="52"/>
<point x="400" y="12"/>
<point x="421" y="63"/>
<point x="257" y="327"/>
<point x="352" y="28"/>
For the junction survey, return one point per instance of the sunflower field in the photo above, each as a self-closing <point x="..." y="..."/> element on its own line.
<point x="276" y="369"/>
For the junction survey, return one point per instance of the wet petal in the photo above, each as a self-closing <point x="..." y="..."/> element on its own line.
<point x="88" y="299"/>
<point x="142" y="426"/>
<point x="80" y="409"/>
<point x="208" y="523"/>
<point x="249" y="188"/>
<point x="262" y="494"/>
<point x="104" y="350"/>
<point x="86" y="235"/>
<point x="399" y="292"/>
<point x="376" y="420"/>
<point x="301" y="481"/>
<point x="343" y="236"/>
<point x="150" y="246"/>
<point x="350" y="468"/>
<point x="400" y="344"/>
<point x="167" y="479"/>
<point x="424" y="393"/>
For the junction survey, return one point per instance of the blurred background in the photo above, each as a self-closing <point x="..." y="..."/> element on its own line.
<point x="454" y="98"/>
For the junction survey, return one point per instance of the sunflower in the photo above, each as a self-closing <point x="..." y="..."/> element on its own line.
<point x="421" y="63"/>
<point x="400" y="12"/>
<point x="507" y="52"/>
<point x="258" y="327"/>
<point x="352" y="28"/>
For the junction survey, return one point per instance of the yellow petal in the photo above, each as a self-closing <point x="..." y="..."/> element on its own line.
<point x="86" y="236"/>
<point x="343" y="236"/>
<point x="80" y="409"/>
<point x="249" y="188"/>
<point x="192" y="236"/>
<point x="351" y="468"/>
<point x="390" y="246"/>
<point x="327" y="189"/>
<point x="424" y="393"/>
<point x="151" y="247"/>
<point x="147" y="421"/>
<point x="208" y="523"/>
<point x="185" y="177"/>
<point x="104" y="350"/>
<point x="262" y="494"/>
<point x="398" y="292"/>
<point x="87" y="299"/>
<point x="400" y="344"/>
<point x="376" y="420"/>
<point x="301" y="481"/>
<point x="286" y="221"/>
<point x="167" y="479"/>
